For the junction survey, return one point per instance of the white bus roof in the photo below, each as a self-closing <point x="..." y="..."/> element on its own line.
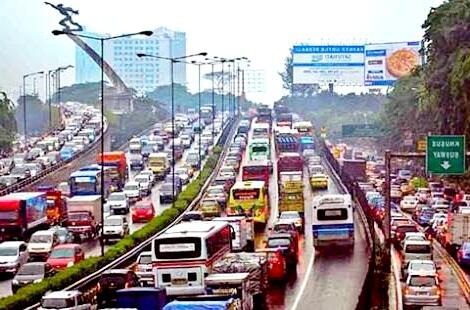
<point x="260" y="125"/>
<point x="259" y="140"/>
<point x="199" y="229"/>
<point x="248" y="184"/>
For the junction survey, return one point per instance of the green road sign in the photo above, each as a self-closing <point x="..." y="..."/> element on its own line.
<point x="445" y="154"/>
<point x="361" y="130"/>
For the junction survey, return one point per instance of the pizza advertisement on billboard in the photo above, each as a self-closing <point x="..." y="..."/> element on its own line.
<point x="387" y="62"/>
<point x="324" y="64"/>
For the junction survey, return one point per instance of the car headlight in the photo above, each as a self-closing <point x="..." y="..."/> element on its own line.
<point x="37" y="281"/>
<point x="14" y="282"/>
<point x="70" y="264"/>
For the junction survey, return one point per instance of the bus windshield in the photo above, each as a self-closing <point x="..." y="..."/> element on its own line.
<point x="81" y="185"/>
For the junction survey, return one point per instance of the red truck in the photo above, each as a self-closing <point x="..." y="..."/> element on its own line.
<point x="289" y="162"/>
<point x="286" y="142"/>
<point x="84" y="216"/>
<point x="117" y="167"/>
<point x="21" y="214"/>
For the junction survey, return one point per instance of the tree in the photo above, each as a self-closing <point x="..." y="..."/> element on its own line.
<point x="8" y="126"/>
<point x="447" y="72"/>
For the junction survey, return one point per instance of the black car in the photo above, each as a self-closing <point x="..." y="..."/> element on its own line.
<point x="113" y="280"/>
<point x="166" y="192"/>
<point x="31" y="273"/>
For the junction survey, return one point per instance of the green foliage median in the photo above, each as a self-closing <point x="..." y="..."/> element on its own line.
<point x="32" y="294"/>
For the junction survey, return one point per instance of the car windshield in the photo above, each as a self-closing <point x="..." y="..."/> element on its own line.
<point x="422" y="281"/>
<point x="8" y="251"/>
<point x="141" y="179"/>
<point x="282" y="242"/>
<point x="142" y="206"/>
<point x="31" y="269"/>
<point x="62" y="253"/>
<point x="131" y="187"/>
<point x="166" y="187"/>
<point x="112" y="222"/>
<point x="117" y="197"/>
<point x="57" y="303"/>
<point x="40" y="239"/>
<point x="145" y="259"/>
<point x="78" y="216"/>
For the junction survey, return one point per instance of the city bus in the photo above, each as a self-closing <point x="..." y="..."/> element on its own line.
<point x="259" y="149"/>
<point x="261" y="130"/>
<point x="86" y="182"/>
<point x="249" y="198"/>
<point x="304" y="128"/>
<point x="206" y="115"/>
<point x="333" y="222"/>
<point x="184" y="255"/>
<point x="257" y="170"/>
<point x="264" y="114"/>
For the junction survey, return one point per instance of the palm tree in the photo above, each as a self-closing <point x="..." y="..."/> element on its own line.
<point x="8" y="127"/>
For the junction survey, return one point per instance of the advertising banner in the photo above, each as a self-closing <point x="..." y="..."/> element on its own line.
<point x="387" y="62"/>
<point x="323" y="64"/>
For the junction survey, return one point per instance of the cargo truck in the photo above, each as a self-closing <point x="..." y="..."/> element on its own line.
<point x="455" y="233"/>
<point x="84" y="216"/>
<point x="243" y="229"/>
<point x="289" y="162"/>
<point x="21" y="214"/>
<point x="286" y="142"/>
<point x="56" y="205"/>
<point x="117" y="165"/>
<point x="291" y="192"/>
<point x="355" y="168"/>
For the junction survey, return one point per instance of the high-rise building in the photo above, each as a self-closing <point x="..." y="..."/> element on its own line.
<point x="146" y="73"/>
<point x="143" y="74"/>
<point x="86" y="70"/>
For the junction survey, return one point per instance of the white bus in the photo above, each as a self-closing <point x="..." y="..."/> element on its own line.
<point x="261" y="130"/>
<point x="184" y="254"/>
<point x="333" y="221"/>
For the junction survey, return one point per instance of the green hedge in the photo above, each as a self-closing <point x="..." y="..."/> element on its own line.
<point x="32" y="294"/>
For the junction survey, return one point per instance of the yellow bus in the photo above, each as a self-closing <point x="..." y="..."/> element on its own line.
<point x="249" y="198"/>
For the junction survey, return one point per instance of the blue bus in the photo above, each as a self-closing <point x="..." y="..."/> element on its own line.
<point x="85" y="183"/>
<point x="333" y="220"/>
<point x="306" y="143"/>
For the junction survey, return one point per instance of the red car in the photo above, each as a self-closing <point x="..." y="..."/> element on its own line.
<point x="65" y="255"/>
<point x="277" y="268"/>
<point x="143" y="211"/>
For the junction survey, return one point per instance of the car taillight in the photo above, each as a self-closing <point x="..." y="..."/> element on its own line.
<point x="98" y="287"/>
<point x="438" y="292"/>
<point x="127" y="285"/>
<point x="407" y="291"/>
<point x="149" y="212"/>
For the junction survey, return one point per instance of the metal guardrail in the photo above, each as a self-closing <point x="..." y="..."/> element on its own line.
<point x="31" y="180"/>
<point x="131" y="256"/>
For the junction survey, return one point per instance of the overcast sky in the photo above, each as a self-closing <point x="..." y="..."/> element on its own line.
<point x="260" y="30"/>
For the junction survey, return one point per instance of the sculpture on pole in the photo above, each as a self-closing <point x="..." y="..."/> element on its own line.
<point x="66" y="11"/>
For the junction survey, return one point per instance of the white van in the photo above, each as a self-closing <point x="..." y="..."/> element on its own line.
<point x="416" y="249"/>
<point x="41" y="244"/>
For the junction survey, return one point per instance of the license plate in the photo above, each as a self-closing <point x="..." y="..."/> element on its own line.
<point x="179" y="281"/>
<point x="423" y="293"/>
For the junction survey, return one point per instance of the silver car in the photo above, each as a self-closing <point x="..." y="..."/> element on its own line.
<point x="422" y="288"/>
<point x="13" y="254"/>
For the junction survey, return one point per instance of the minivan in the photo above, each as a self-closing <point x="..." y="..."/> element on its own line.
<point x="416" y="249"/>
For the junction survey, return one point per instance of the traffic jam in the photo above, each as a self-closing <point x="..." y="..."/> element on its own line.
<point x="429" y="227"/>
<point x="228" y="251"/>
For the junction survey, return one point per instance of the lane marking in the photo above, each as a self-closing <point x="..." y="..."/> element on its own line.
<point x="305" y="281"/>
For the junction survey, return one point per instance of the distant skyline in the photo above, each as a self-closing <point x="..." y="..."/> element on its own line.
<point x="264" y="33"/>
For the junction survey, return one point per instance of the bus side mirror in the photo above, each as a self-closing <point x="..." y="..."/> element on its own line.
<point x="233" y="235"/>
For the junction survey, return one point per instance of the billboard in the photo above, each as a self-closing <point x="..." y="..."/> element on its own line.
<point x="387" y="62"/>
<point x="323" y="64"/>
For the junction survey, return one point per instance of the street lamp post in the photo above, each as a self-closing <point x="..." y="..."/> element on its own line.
<point x="199" y="106"/>
<point x="59" y="32"/>
<point x="172" y="61"/>
<point x="24" y="104"/>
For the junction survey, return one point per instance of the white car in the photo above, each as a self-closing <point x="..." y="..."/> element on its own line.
<point x="149" y="174"/>
<point x="118" y="203"/>
<point x="144" y="184"/>
<point x="186" y="141"/>
<point x="417" y="265"/>
<point x="293" y="216"/>
<point x="408" y="203"/>
<point x="182" y="172"/>
<point x="64" y="300"/>
<point x="13" y="254"/>
<point x="132" y="190"/>
<point x="115" y="227"/>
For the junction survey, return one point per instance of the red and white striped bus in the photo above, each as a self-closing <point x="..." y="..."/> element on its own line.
<point x="184" y="254"/>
